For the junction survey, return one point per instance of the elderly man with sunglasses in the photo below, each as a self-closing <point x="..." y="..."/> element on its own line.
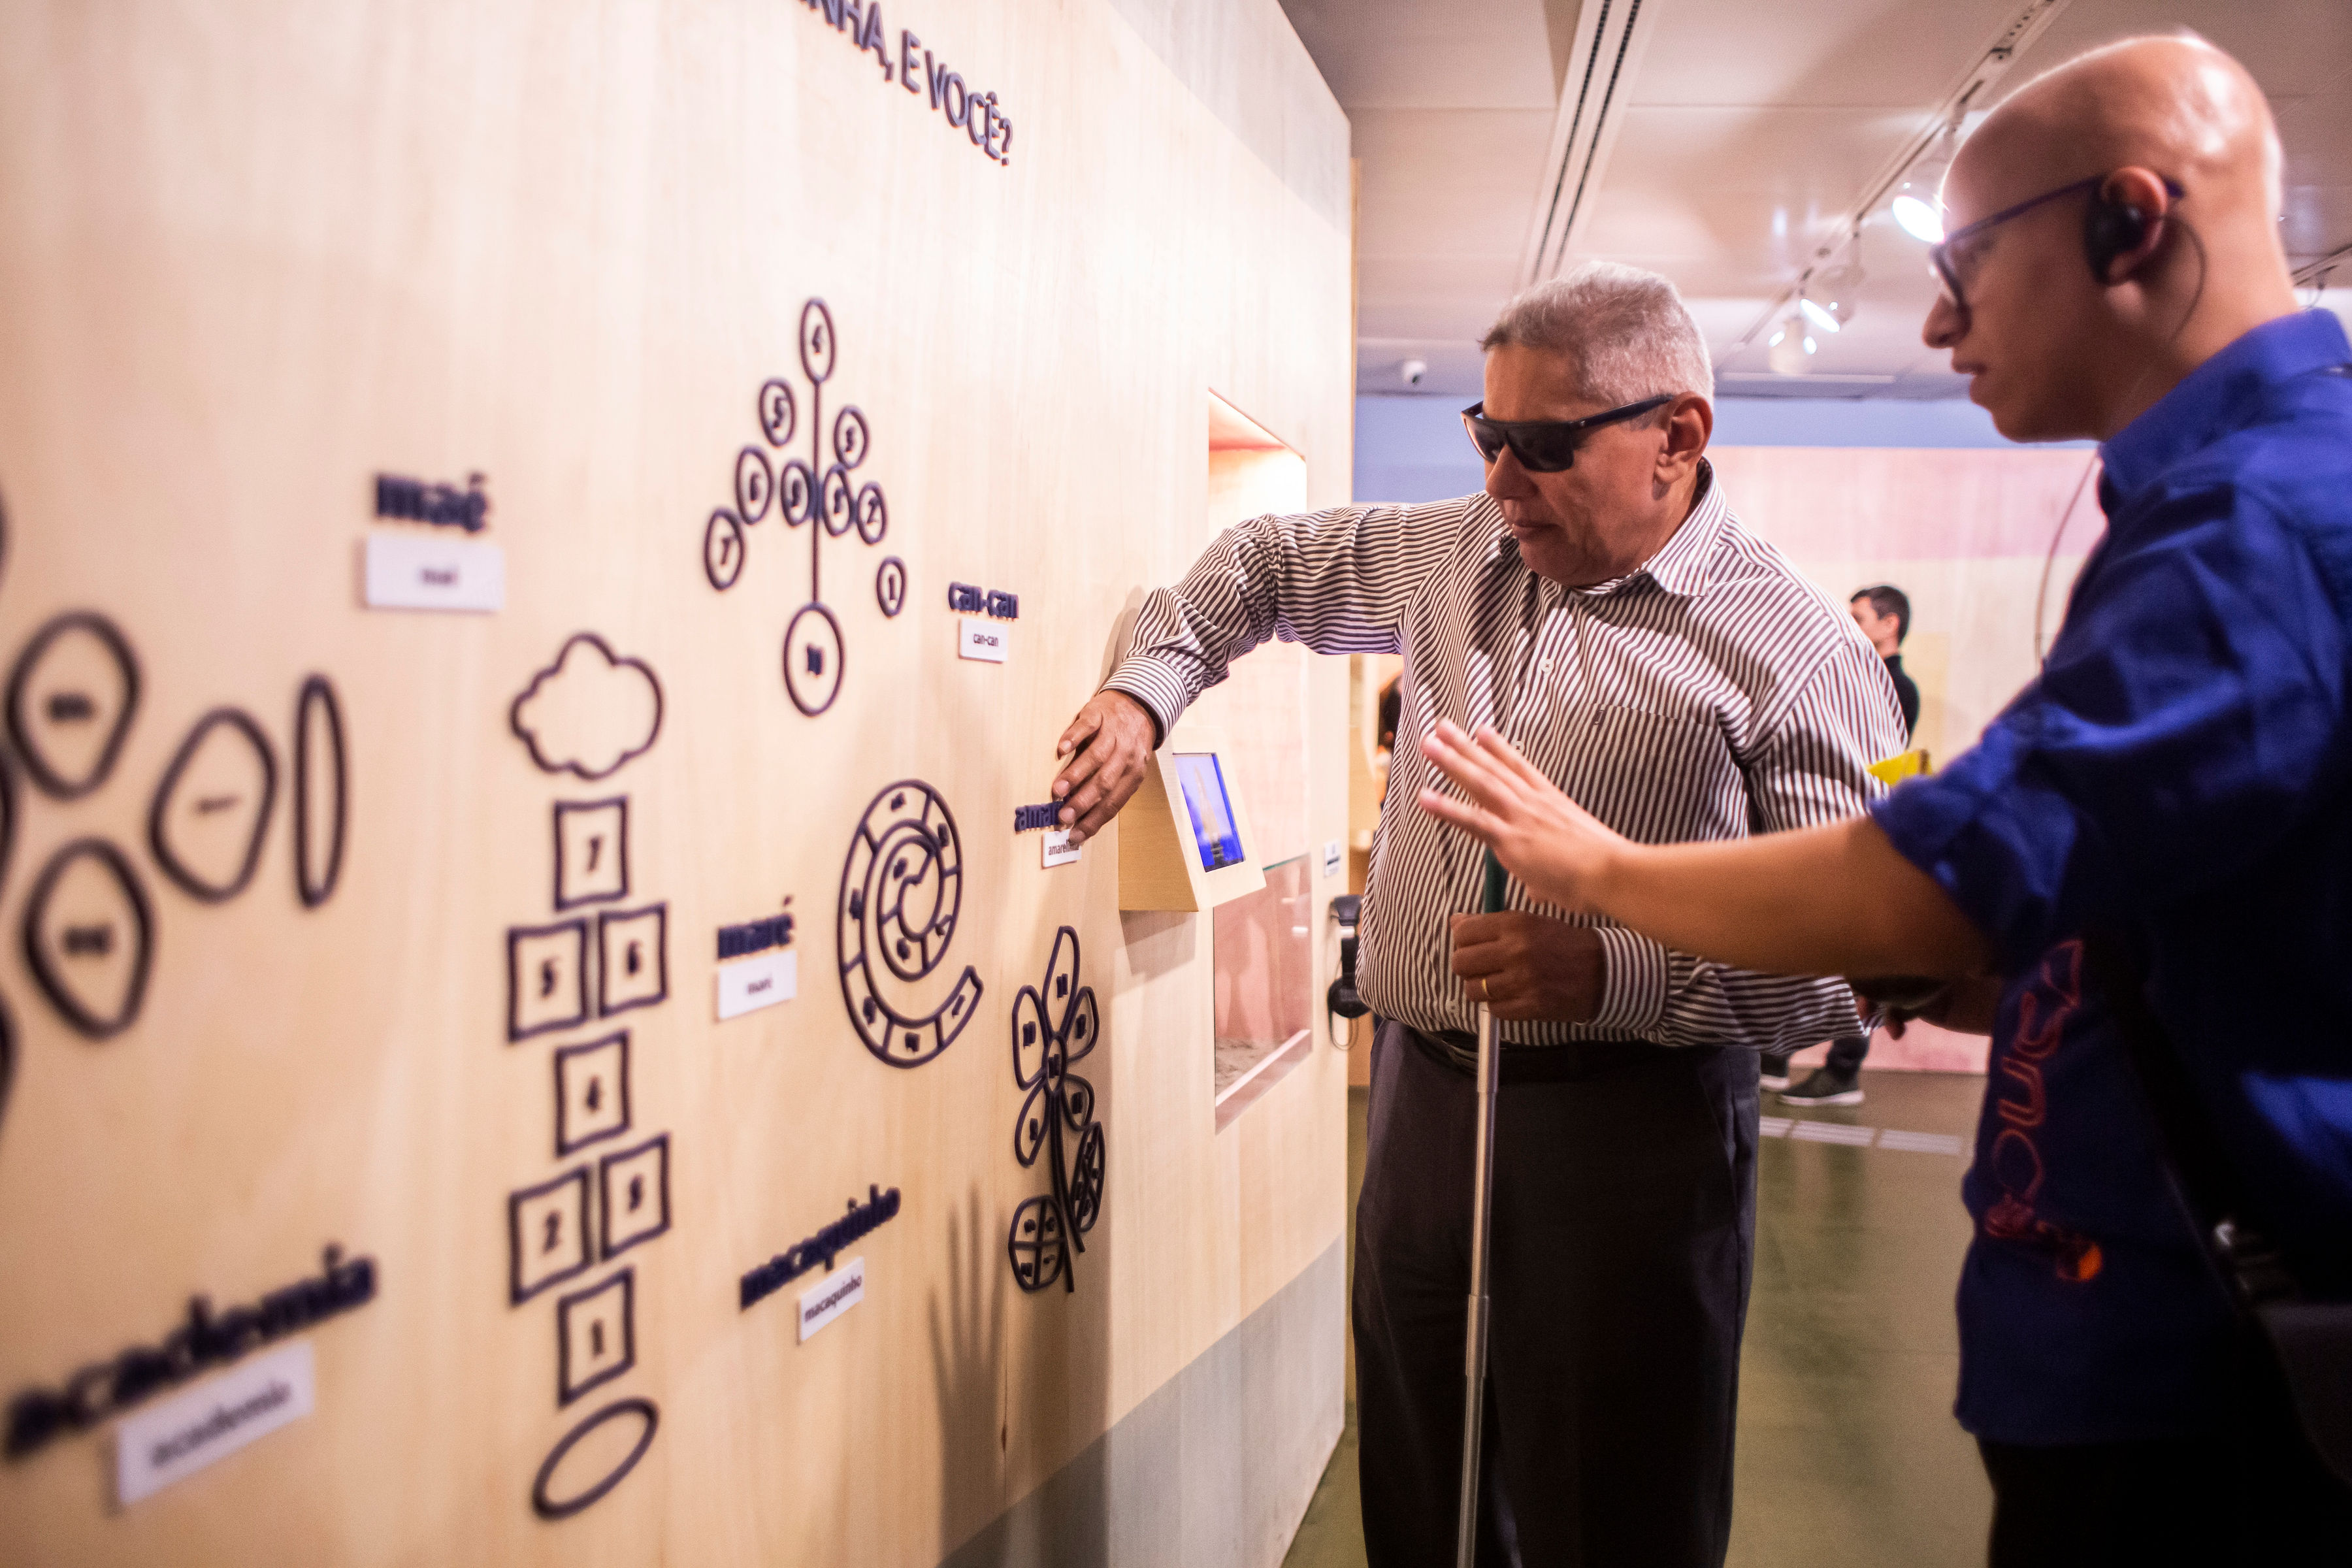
<point x="1598" y="602"/>
<point x="2140" y="880"/>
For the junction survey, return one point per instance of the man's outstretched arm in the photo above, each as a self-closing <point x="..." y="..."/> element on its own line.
<point x="1824" y="900"/>
<point x="1339" y="580"/>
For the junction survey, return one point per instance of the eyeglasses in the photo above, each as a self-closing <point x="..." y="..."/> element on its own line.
<point x="1544" y="446"/>
<point x="1943" y="256"/>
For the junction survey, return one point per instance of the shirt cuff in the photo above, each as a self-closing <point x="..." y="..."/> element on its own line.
<point x="1632" y="983"/>
<point x="1160" y="690"/>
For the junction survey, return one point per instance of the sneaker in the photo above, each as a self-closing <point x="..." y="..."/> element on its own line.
<point x="1825" y="1087"/>
<point x="1774" y="1072"/>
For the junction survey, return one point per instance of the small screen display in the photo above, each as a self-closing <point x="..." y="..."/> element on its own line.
<point x="1214" y="831"/>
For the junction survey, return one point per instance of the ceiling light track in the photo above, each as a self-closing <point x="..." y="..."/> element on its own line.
<point x="1610" y="39"/>
<point x="2314" y="273"/>
<point x="1973" y="91"/>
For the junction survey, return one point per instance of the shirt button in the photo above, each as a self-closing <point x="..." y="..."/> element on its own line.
<point x="1543" y="667"/>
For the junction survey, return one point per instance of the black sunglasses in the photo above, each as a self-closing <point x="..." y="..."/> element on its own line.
<point x="1943" y="257"/>
<point x="1543" y="445"/>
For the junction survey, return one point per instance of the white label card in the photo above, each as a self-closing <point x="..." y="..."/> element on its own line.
<point x="1332" y="857"/>
<point x="165" y="1442"/>
<point x="832" y="1295"/>
<point x="427" y="572"/>
<point x="984" y="639"/>
<point x="748" y="984"/>
<point x="1059" y="850"/>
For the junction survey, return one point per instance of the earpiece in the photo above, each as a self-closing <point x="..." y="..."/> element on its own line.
<point x="2111" y="227"/>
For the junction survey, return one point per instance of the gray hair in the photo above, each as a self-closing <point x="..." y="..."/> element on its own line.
<point x="1627" y="330"/>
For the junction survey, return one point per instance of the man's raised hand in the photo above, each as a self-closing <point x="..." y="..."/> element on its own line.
<point x="1107" y="745"/>
<point x="1555" y="847"/>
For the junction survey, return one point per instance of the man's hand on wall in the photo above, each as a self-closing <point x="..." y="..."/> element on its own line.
<point x="1109" y="744"/>
<point x="1526" y="966"/>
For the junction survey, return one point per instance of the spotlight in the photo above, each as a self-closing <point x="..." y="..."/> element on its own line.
<point x="1919" y="220"/>
<point x="1839" y="288"/>
<point x="1412" y="370"/>
<point x="1790" y="346"/>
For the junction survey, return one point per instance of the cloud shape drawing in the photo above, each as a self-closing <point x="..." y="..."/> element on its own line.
<point x="589" y="711"/>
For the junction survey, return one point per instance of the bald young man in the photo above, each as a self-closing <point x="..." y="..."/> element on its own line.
<point x="2173" y="787"/>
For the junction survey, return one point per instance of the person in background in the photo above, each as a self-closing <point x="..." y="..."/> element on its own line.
<point x="1600" y="600"/>
<point x="2144" y="861"/>
<point x="1883" y="614"/>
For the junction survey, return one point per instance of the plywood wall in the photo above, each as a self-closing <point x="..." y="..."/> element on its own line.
<point x="252" y="256"/>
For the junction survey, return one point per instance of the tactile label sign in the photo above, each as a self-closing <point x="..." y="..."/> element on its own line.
<point x="1059" y="850"/>
<point x="421" y="571"/>
<point x="169" y="1441"/>
<point x="988" y="641"/>
<point x="830" y="1297"/>
<point x="756" y="983"/>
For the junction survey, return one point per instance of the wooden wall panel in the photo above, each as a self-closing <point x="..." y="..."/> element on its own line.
<point x="252" y="255"/>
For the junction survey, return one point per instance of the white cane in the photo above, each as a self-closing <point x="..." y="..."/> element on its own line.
<point x="1474" y="1394"/>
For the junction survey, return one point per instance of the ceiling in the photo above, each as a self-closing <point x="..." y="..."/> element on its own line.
<point x="1730" y="145"/>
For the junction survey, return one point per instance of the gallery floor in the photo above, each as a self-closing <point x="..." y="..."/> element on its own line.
<point x="1848" y="1453"/>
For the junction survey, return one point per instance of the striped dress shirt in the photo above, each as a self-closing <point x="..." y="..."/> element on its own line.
<point x="1709" y="693"/>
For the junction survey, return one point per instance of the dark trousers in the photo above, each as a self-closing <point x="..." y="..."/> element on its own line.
<point x="1846" y="1053"/>
<point x="2251" y="1495"/>
<point x="1624" y="1222"/>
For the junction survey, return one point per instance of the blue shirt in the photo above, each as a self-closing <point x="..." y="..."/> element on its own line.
<point x="2179" y="773"/>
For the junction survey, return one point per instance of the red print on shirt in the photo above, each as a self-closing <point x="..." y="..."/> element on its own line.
<point x="2014" y="1161"/>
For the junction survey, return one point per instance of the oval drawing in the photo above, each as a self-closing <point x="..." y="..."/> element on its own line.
<point x="7" y="1060"/>
<point x="8" y="811"/>
<point x="723" y="550"/>
<point x="812" y="660"/>
<point x="544" y="1500"/>
<point x="816" y="342"/>
<point x="321" y="807"/>
<point x="776" y="413"/>
<point x="755" y="486"/>
<point x="213" y="805"/>
<point x="71" y="700"/>
<point x="890" y="585"/>
<point x="89" y="937"/>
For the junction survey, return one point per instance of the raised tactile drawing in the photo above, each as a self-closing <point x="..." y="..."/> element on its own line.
<point x="633" y="958"/>
<point x="901" y="890"/>
<point x="636" y="1190"/>
<point x="547" y="1235"/>
<point x="1053" y="1029"/>
<point x="212" y="810"/>
<point x="592" y="851"/>
<point x="546" y="977"/>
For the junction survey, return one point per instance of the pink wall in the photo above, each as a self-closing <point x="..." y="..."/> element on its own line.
<point x="1966" y="533"/>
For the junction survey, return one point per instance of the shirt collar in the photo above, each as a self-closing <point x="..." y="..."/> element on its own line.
<point x="1681" y="565"/>
<point x="2223" y="395"/>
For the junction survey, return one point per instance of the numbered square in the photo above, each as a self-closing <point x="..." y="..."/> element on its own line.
<point x="633" y="952"/>
<point x="592" y="851"/>
<point x="547" y="1235"/>
<point x="595" y="1335"/>
<point x="635" y="1185"/>
<point x="547" y="978"/>
<point x="591" y="1092"/>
